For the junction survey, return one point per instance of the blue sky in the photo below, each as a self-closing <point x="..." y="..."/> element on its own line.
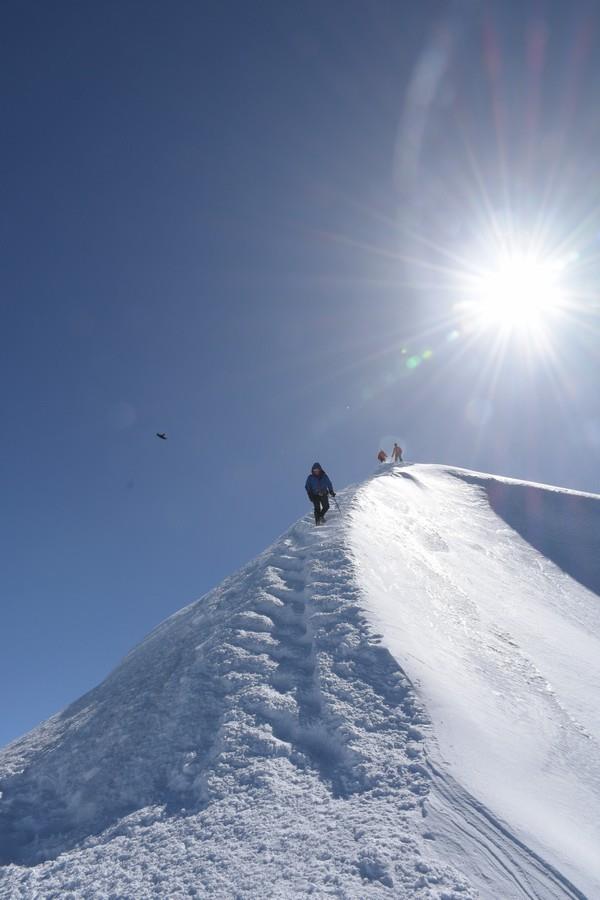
<point x="244" y="224"/>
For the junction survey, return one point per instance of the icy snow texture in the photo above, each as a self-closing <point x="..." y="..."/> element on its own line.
<point x="265" y="742"/>
<point x="503" y="644"/>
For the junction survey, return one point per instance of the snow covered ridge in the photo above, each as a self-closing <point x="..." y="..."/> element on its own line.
<point x="403" y="703"/>
<point x="491" y="605"/>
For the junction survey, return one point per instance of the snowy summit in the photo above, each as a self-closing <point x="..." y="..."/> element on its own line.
<point x="402" y="703"/>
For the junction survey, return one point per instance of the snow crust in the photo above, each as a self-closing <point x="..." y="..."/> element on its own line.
<point x="400" y="703"/>
<point x="503" y="645"/>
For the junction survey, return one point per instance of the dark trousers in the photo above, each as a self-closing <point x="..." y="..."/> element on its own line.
<point x="321" y="505"/>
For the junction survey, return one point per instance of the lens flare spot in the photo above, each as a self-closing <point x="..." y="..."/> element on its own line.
<point x="478" y="411"/>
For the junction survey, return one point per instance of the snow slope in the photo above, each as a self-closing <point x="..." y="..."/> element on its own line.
<point x="503" y="644"/>
<point x="398" y="704"/>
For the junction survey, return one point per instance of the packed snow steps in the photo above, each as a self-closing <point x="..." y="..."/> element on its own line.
<point x="323" y="667"/>
<point x="277" y="663"/>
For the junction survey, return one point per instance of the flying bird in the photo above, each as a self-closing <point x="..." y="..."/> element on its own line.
<point x="162" y="435"/>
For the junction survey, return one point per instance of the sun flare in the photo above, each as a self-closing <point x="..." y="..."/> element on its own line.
<point x="519" y="292"/>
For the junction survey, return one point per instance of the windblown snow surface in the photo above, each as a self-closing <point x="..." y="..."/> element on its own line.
<point x="402" y="703"/>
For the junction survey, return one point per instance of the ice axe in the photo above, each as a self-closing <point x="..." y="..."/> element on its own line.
<point x="337" y="505"/>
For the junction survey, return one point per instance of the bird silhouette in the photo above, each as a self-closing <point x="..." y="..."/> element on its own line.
<point x="162" y="435"/>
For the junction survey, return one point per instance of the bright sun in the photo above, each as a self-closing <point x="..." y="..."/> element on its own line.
<point x="518" y="293"/>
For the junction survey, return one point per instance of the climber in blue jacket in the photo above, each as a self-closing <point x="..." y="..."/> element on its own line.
<point x="318" y="487"/>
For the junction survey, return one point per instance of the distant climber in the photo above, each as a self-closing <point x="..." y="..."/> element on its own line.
<point x="318" y="487"/>
<point x="162" y="435"/>
<point x="382" y="456"/>
<point x="396" y="453"/>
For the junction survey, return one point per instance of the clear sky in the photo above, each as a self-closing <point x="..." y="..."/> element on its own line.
<point x="258" y="227"/>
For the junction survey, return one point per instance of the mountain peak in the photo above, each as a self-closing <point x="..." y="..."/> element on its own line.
<point x="302" y="727"/>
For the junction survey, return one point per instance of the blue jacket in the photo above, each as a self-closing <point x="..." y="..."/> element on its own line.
<point x="320" y="485"/>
